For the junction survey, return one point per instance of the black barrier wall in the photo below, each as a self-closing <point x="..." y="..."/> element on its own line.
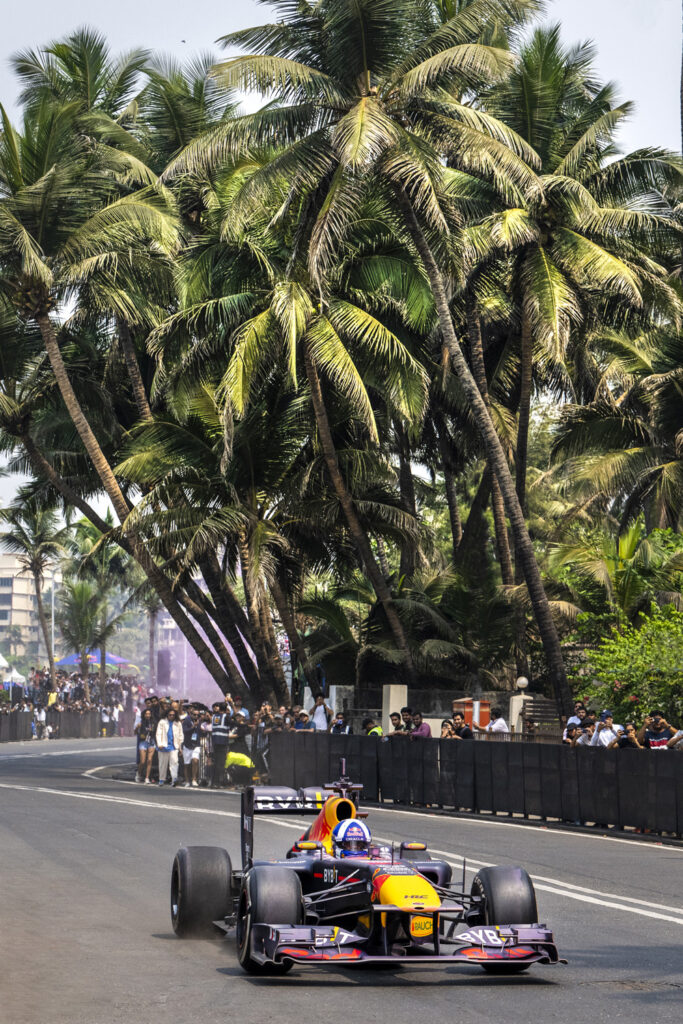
<point x="67" y="725"/>
<point x="626" y="788"/>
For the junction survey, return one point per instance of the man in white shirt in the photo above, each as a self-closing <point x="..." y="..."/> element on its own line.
<point x="606" y="731"/>
<point x="320" y="714"/>
<point x="497" y="723"/>
<point x="676" y="741"/>
<point x="587" y="733"/>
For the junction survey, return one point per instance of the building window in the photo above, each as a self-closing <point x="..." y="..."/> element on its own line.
<point x="5" y="598"/>
<point x="5" y="581"/>
<point x="4" y="616"/>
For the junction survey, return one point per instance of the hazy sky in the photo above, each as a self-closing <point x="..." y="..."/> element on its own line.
<point x="638" y="42"/>
<point x="638" y="46"/>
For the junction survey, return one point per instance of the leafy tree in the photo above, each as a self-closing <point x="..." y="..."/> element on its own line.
<point x="637" y="670"/>
<point x="83" y="621"/>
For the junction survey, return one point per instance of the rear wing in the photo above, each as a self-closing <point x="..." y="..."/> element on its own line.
<point x="275" y="800"/>
<point x="283" y="800"/>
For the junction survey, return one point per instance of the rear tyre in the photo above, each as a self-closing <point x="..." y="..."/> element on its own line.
<point x="269" y="895"/>
<point x="509" y="898"/>
<point x="201" y="890"/>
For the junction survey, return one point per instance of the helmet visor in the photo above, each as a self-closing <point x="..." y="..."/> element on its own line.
<point x="354" y="844"/>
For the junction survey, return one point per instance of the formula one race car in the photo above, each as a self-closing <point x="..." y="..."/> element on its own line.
<point x="339" y="899"/>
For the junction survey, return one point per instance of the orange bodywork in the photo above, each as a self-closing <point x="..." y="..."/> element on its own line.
<point x="335" y="809"/>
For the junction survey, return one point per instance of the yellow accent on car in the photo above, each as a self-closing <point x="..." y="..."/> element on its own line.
<point x="411" y="891"/>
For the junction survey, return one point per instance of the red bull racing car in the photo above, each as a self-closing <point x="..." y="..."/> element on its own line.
<point x="338" y="898"/>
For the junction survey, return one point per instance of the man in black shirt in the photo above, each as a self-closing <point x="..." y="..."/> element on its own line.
<point x="461" y="731"/>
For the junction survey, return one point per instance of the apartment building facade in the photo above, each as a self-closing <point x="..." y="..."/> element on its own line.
<point x="19" y="624"/>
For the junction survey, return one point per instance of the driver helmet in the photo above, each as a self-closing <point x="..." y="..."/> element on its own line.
<point x="351" y="838"/>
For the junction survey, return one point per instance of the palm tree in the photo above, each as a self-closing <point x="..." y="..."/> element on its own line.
<point x="362" y="96"/>
<point x="65" y="228"/>
<point x="95" y="556"/>
<point x="80" y="70"/>
<point x="630" y="567"/>
<point x="83" y="621"/>
<point x="34" y="535"/>
<point x="592" y="231"/>
<point x="621" y="451"/>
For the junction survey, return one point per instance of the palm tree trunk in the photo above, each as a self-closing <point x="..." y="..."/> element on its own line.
<point x="498" y="463"/>
<point x="193" y="601"/>
<point x="521" y="462"/>
<point x="267" y="686"/>
<point x="230" y="618"/>
<point x="134" y="375"/>
<point x="38" y="583"/>
<point x="406" y="484"/>
<point x="382" y="557"/>
<point x="449" y="483"/>
<point x="526" y="373"/>
<point x="155" y="575"/>
<point x="42" y="467"/>
<point x="293" y="635"/>
<point x="474" y="531"/>
<point x="152" y="616"/>
<point x="84" y="674"/>
<point x="73" y="407"/>
<point x="275" y="662"/>
<point x="356" y="530"/>
<point x="497" y="505"/>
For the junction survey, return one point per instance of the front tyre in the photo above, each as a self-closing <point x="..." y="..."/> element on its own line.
<point x="509" y="898"/>
<point x="201" y="890"/>
<point x="269" y="895"/>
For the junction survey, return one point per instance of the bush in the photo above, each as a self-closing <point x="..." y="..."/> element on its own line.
<point x="637" y="670"/>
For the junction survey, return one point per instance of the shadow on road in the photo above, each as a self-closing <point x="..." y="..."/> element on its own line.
<point x="331" y="977"/>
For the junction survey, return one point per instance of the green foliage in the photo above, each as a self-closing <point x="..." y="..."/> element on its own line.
<point x="635" y="671"/>
<point x="215" y="265"/>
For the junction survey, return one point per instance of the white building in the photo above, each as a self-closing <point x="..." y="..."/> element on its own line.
<point x="19" y="624"/>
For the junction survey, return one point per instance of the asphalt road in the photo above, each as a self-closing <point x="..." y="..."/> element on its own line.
<point x="85" y="935"/>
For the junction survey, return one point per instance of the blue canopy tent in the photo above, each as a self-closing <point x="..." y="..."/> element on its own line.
<point x="93" y="658"/>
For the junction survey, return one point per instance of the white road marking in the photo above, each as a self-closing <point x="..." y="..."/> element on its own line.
<point x="559" y="889"/>
<point x="59" y="753"/>
<point x="563" y="889"/>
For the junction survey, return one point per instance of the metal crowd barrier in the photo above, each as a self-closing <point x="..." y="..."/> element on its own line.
<point x="66" y="725"/>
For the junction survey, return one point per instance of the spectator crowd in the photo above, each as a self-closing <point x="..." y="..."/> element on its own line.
<point x="587" y="729"/>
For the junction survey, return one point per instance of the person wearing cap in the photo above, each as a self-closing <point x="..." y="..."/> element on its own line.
<point x="655" y="731"/>
<point x="303" y="723"/>
<point x="571" y="734"/>
<point x="606" y="731"/>
<point x="220" y="727"/>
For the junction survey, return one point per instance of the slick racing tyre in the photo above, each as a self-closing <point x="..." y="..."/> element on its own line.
<point x="201" y="890"/>
<point x="269" y="895"/>
<point x="509" y="899"/>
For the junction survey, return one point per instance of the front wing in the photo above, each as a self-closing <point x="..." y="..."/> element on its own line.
<point x="504" y="945"/>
